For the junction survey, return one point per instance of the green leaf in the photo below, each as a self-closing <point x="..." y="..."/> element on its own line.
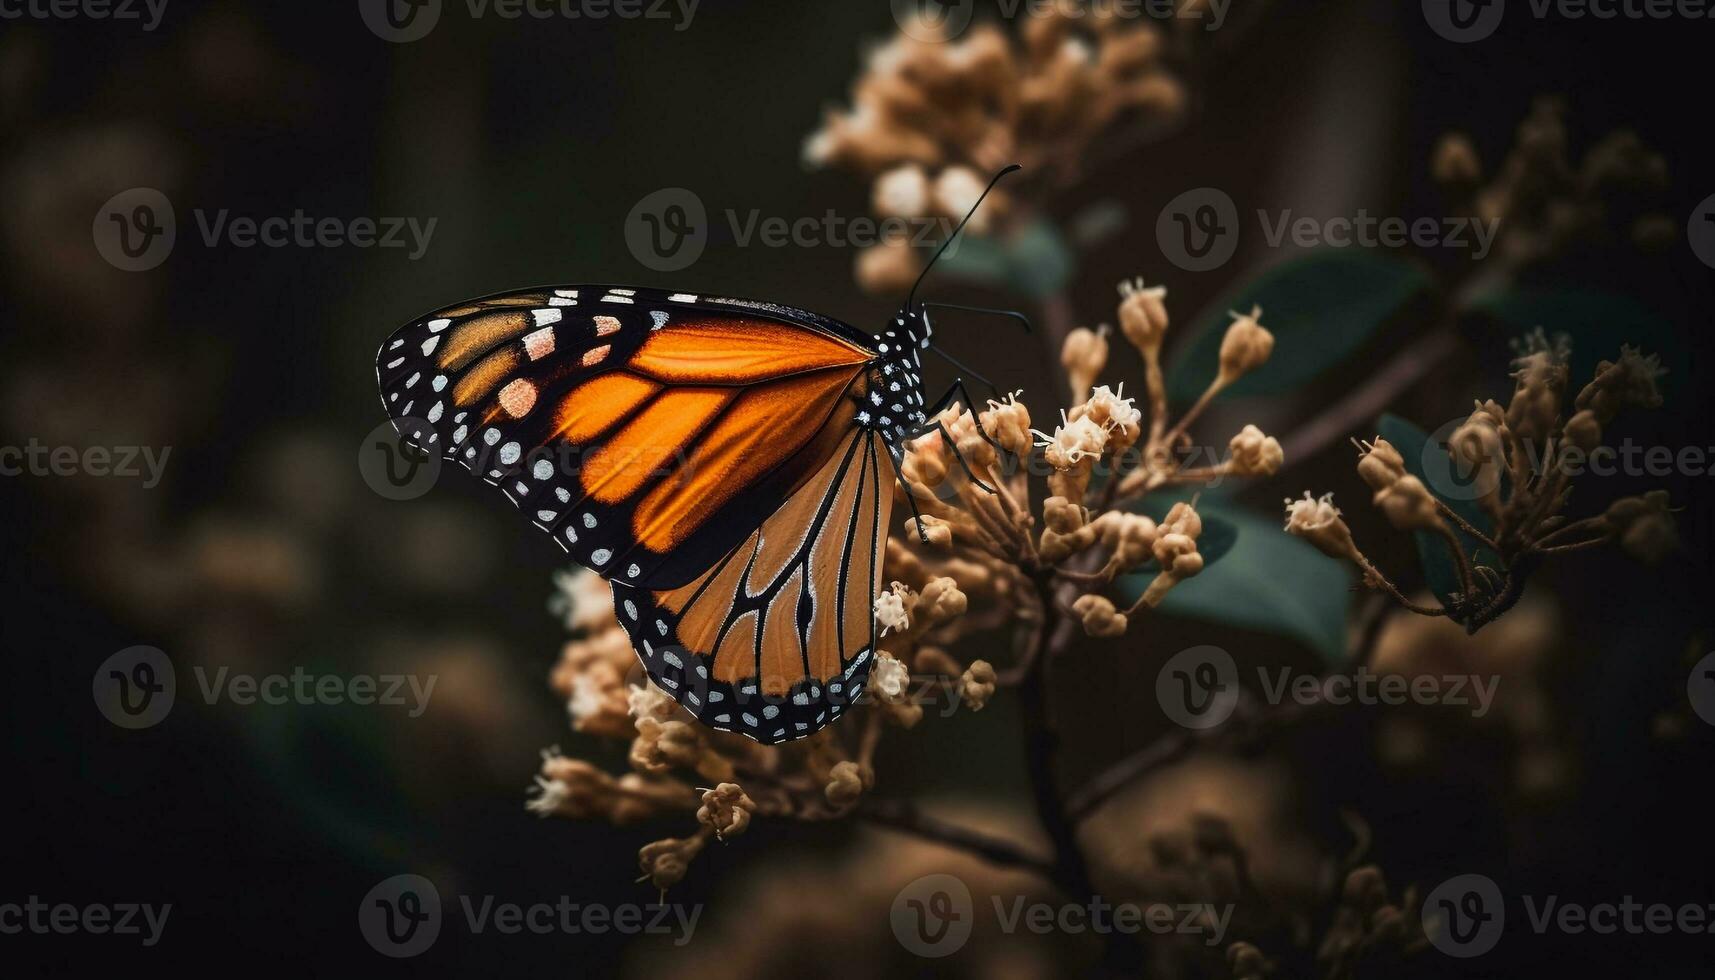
<point x="1034" y="260"/>
<point x="1266" y="580"/>
<point x="1321" y="308"/>
<point x="1597" y="322"/>
<point x="1440" y="572"/>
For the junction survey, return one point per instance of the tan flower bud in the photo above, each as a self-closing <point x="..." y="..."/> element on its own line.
<point x="1478" y="451"/>
<point x="1008" y="422"/>
<point x="1072" y="442"/>
<point x="1408" y="505"/>
<point x="1254" y="454"/>
<point x="1380" y="464"/>
<point x="1183" y="519"/>
<point x="846" y="783"/>
<point x="1318" y="521"/>
<point x="957" y="189"/>
<point x="1143" y="315"/>
<point x="1129" y="539"/>
<point x="887" y="268"/>
<point x="938" y="531"/>
<point x="1246" y="346"/>
<point x="1645" y="526"/>
<point x="1583" y="431"/>
<point x="1084" y="355"/>
<point x="1114" y="412"/>
<point x="1455" y="160"/>
<point x="1099" y="617"/>
<point x="1628" y="382"/>
<point x="902" y="192"/>
<point x="1540" y="385"/>
<point x="726" y="810"/>
<point x="664" y="862"/>
<point x="977" y="685"/>
<point x="940" y="602"/>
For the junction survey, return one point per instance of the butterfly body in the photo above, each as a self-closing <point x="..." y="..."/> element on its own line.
<point x="727" y="464"/>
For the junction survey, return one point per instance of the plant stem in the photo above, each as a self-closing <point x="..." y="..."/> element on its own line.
<point x="904" y="817"/>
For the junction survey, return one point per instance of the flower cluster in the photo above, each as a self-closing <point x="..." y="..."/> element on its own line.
<point x="930" y="120"/>
<point x="1545" y="204"/>
<point x="1519" y="463"/>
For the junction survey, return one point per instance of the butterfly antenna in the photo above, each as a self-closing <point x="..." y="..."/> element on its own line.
<point x="912" y="296"/>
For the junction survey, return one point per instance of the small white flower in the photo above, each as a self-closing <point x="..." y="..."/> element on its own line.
<point x="553" y="794"/>
<point x="1072" y="441"/>
<point x="1309" y="515"/>
<point x="586" y="699"/>
<point x="890" y="609"/>
<point x="902" y="192"/>
<point x="1112" y="405"/>
<point x="889" y="678"/>
<point x="581" y="599"/>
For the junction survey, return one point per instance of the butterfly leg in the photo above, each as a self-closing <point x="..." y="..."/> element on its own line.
<point x="910" y="494"/>
<point x="947" y="437"/>
<point x="958" y="388"/>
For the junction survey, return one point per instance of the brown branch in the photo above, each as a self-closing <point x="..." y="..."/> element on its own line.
<point x="903" y="816"/>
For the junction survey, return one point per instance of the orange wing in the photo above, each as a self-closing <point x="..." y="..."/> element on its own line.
<point x="649" y="433"/>
<point x="776" y="639"/>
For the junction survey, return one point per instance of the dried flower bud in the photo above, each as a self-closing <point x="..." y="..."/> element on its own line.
<point x="1143" y="315"/>
<point x="977" y="684"/>
<point x="846" y="783"/>
<point x="726" y="810"/>
<point x="939" y="602"/>
<point x="1099" y="616"/>
<point x="902" y="192"/>
<point x="1408" y="505"/>
<point x="571" y="788"/>
<point x="1628" y="382"/>
<point x="1084" y="355"/>
<point x="1455" y="161"/>
<point x="1182" y="518"/>
<point x="1583" y="431"/>
<point x="1318" y="522"/>
<point x="1644" y="525"/>
<point x="1008" y="421"/>
<point x="1478" y="452"/>
<point x="889" y="678"/>
<point x="1254" y="454"/>
<point x="1246" y="346"/>
<point x="664" y="862"/>
<point x="890" y="608"/>
<point x="956" y="192"/>
<point x="1129" y="539"/>
<point x="582" y="600"/>
<point x="650" y="701"/>
<point x="887" y="267"/>
<point x="938" y="531"/>
<point x="1380" y="464"/>
<point x="1114" y="412"/>
<point x="1540" y="386"/>
<point x="1072" y="442"/>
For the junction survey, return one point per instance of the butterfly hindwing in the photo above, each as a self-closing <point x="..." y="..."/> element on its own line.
<point x="776" y="639"/>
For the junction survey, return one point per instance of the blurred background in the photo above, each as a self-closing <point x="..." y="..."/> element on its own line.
<point x="528" y="143"/>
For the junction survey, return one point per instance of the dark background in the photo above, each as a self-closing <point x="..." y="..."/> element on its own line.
<point x="530" y="141"/>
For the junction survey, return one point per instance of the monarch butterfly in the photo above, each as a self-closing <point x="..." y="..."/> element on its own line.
<point x="728" y="465"/>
